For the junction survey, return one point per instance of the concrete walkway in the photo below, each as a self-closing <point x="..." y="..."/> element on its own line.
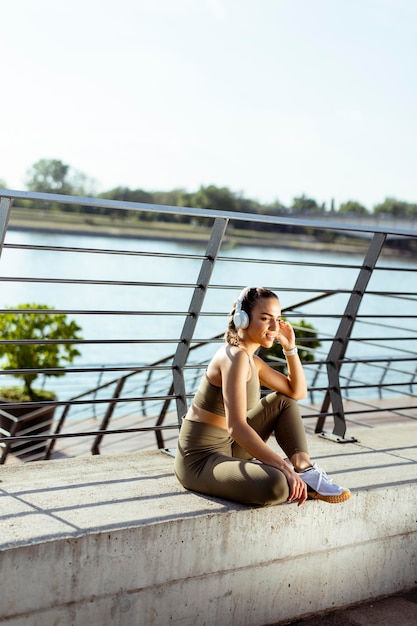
<point x="65" y="500"/>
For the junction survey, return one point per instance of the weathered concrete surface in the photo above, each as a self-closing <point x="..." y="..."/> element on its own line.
<point x="115" y="540"/>
<point x="399" y="609"/>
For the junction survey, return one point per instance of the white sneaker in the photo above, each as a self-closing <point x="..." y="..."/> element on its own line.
<point x="321" y="487"/>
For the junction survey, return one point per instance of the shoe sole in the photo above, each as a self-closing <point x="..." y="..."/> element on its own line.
<point x="313" y="495"/>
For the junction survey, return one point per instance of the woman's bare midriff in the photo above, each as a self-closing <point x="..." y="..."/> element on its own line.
<point x="195" y="414"/>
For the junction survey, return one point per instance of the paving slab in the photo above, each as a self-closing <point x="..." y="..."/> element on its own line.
<point x="85" y="494"/>
<point x="400" y="609"/>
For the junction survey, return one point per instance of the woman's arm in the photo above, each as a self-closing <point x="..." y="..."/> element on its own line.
<point x="235" y="372"/>
<point x="293" y="385"/>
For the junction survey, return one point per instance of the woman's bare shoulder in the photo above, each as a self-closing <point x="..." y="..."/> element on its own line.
<point x="228" y="360"/>
<point x="228" y="356"/>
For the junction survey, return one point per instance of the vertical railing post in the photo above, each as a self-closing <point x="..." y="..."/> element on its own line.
<point x="340" y="342"/>
<point x="5" y="208"/>
<point x="197" y="300"/>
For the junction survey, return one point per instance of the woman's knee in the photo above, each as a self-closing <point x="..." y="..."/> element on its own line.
<point x="278" y="403"/>
<point x="277" y="490"/>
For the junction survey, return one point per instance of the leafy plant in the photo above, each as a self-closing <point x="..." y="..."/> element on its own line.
<point x="28" y="323"/>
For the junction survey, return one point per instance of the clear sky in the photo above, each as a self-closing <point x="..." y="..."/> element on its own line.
<point x="271" y="98"/>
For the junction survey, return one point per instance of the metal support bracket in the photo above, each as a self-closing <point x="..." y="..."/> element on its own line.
<point x="337" y="438"/>
<point x="169" y="452"/>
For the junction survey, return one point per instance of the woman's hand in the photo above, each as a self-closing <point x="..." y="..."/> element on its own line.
<point x="286" y="335"/>
<point x="298" y="488"/>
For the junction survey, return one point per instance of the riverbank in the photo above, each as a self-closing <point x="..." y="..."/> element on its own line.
<point x="74" y="223"/>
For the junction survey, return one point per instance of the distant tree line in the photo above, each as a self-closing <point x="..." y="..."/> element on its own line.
<point x="54" y="176"/>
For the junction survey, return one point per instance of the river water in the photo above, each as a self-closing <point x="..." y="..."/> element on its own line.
<point x="282" y="273"/>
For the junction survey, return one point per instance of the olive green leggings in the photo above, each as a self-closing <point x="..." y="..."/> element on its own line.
<point x="209" y="461"/>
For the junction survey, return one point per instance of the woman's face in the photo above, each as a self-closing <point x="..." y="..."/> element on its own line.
<point x="264" y="323"/>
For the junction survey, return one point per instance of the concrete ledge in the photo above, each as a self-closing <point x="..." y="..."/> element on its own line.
<point x="116" y="540"/>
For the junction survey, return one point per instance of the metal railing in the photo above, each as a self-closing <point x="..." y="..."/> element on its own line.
<point x="363" y="367"/>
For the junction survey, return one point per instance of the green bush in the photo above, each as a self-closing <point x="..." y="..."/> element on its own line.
<point x="302" y="330"/>
<point x="23" y="325"/>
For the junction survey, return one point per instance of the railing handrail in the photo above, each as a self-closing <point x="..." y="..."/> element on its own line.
<point x="206" y="213"/>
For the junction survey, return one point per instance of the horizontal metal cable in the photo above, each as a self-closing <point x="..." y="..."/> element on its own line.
<point x="136" y="253"/>
<point x="224" y="259"/>
<point x="96" y="312"/>
<point x="107" y="283"/>
<point x="46" y="403"/>
<point x="92" y="433"/>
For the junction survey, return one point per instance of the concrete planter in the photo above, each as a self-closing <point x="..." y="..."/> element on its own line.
<point x="19" y="420"/>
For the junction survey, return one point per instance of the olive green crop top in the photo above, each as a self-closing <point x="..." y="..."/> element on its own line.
<point x="210" y="398"/>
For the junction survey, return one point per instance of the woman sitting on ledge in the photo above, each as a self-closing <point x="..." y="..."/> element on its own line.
<point x="221" y="447"/>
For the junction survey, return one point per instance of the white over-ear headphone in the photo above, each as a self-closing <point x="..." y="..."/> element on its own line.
<point x="241" y="318"/>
